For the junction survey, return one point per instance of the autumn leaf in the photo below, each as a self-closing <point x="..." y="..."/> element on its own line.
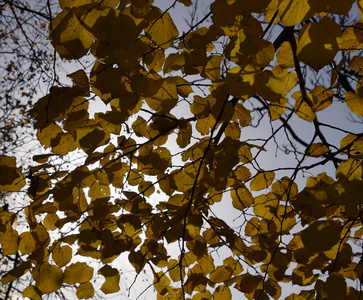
<point x="48" y="278"/>
<point x="319" y="42"/>
<point x="11" y="178"/>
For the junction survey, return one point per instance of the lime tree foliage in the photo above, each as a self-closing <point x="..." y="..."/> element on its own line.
<point x="173" y="149"/>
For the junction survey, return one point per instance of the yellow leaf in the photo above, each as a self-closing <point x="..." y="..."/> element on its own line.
<point x="356" y="64"/>
<point x="221" y="274"/>
<point x="184" y="134"/>
<point x="161" y="283"/>
<point x="85" y="290"/>
<point x="183" y="86"/>
<point x="112" y="276"/>
<point x="9" y="242"/>
<point x="140" y="127"/>
<point x="241" y="115"/>
<point x="90" y="137"/>
<point x="350" y="42"/>
<point x="222" y="293"/>
<point x="200" y="107"/>
<point x="273" y="88"/>
<point x="77" y="3"/>
<point x="32" y="292"/>
<point x="321" y="98"/>
<point x="262" y="180"/>
<point x="186" y="2"/>
<point x="17" y="272"/>
<point x="294" y="12"/>
<point x="49" y="278"/>
<point x="233" y="131"/>
<point x="78" y="273"/>
<point x="163" y="31"/>
<point x="277" y="109"/>
<point x="318" y="43"/>
<point x="242" y="173"/>
<point x="50" y="221"/>
<point x="70" y="38"/>
<point x="137" y="260"/>
<point x="11" y="177"/>
<point x="207" y="264"/>
<point x="321" y="235"/>
<point x="285" y="56"/>
<point x="266" y="206"/>
<point x="355" y="101"/>
<point x="146" y="188"/>
<point x="244" y="154"/>
<point x="62" y="255"/>
<point x="206" y="124"/>
<point x="350" y="169"/>
<point x="302" y="108"/>
<point x="317" y="150"/>
<point x="63" y="143"/>
<point x="155" y="60"/>
<point x="27" y="243"/>
<point x="212" y="70"/>
<point x="173" y="62"/>
<point x="338" y="7"/>
<point x="174" y="270"/>
<point x="241" y="198"/>
<point x="165" y="97"/>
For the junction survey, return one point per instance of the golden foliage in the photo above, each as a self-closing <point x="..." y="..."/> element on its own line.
<point x="172" y="145"/>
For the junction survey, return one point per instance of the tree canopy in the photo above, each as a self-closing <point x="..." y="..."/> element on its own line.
<point x="174" y="143"/>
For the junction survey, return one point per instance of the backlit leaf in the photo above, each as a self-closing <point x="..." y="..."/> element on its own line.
<point x="222" y="292"/>
<point x="163" y="31"/>
<point x="262" y="180"/>
<point x="317" y="150"/>
<point x="9" y="241"/>
<point x="85" y="290"/>
<point x="112" y="276"/>
<point x="32" y="292"/>
<point x="49" y="278"/>
<point x="241" y="198"/>
<point x="318" y="43"/>
<point x="16" y="273"/>
<point x="27" y="243"/>
<point x="62" y="255"/>
<point x="11" y="177"/>
<point x="78" y="273"/>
